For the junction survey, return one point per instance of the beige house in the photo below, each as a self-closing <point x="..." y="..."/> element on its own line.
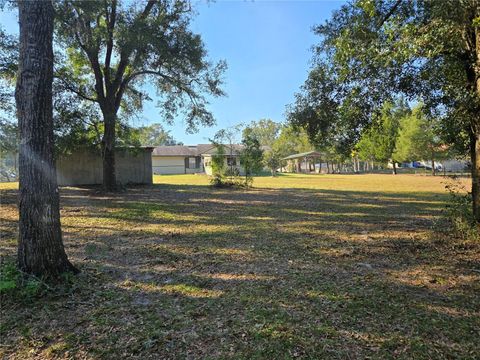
<point x="193" y="159"/>
<point x="232" y="158"/>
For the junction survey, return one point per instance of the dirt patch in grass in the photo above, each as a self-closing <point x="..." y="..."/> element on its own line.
<point x="299" y="267"/>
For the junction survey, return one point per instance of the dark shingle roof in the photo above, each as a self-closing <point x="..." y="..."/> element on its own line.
<point x="174" y="150"/>
<point x="195" y="150"/>
<point x="235" y="149"/>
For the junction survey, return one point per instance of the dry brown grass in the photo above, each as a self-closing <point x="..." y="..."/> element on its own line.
<point x="340" y="266"/>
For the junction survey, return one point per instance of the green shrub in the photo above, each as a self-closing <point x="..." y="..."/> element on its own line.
<point x="9" y="276"/>
<point x="218" y="166"/>
<point x="14" y="283"/>
<point x="459" y="212"/>
<point x="21" y="287"/>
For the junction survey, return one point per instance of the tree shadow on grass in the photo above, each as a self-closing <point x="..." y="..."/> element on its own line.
<point x="193" y="272"/>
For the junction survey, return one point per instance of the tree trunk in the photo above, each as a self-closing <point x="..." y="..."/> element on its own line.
<point x="433" y="166"/>
<point x="15" y="165"/>
<point x="394" y="168"/>
<point x="475" y="130"/>
<point x="40" y="247"/>
<point x="475" y="157"/>
<point x="108" y="151"/>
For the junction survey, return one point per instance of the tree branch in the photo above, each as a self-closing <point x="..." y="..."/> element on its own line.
<point x="124" y="55"/>
<point x="390" y="13"/>
<point x="179" y="85"/>
<point x="74" y="90"/>
<point x="110" y="26"/>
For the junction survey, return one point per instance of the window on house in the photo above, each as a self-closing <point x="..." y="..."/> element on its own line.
<point x="231" y="161"/>
<point x="192" y="163"/>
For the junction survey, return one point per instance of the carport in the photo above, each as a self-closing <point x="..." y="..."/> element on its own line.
<point x="307" y="158"/>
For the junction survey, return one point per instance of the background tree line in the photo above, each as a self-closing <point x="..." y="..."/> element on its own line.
<point x="372" y="51"/>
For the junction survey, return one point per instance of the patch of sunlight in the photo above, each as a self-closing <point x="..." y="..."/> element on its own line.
<point x="334" y="252"/>
<point x="276" y="330"/>
<point x="330" y="214"/>
<point x="186" y="250"/>
<point x="90" y="221"/>
<point x="450" y="311"/>
<point x="190" y="291"/>
<point x="432" y="277"/>
<point x="8" y="185"/>
<point x="227" y="276"/>
<point x="266" y="218"/>
<point x="231" y="202"/>
<point x="326" y="296"/>
<point x="229" y="251"/>
<point x="56" y="349"/>
<point x="174" y="289"/>
<point x="365" y="336"/>
<point x="413" y="201"/>
<point x="188" y="179"/>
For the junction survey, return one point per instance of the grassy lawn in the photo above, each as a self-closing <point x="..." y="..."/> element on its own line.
<point x="301" y="266"/>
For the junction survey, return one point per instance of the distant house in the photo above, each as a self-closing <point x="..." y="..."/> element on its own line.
<point x="232" y="158"/>
<point x="192" y="159"/>
<point x="176" y="159"/>
<point x="85" y="167"/>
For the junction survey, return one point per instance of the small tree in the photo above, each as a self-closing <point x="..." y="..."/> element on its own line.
<point x="218" y="166"/>
<point x="251" y="156"/>
<point x="229" y="137"/>
<point x="272" y="160"/>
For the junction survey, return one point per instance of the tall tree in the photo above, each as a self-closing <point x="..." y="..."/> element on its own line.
<point x="418" y="139"/>
<point x="272" y="160"/>
<point x="40" y="247"/>
<point x="427" y="49"/>
<point x="155" y="135"/>
<point x="251" y="155"/>
<point x="265" y="130"/>
<point x="291" y="141"/>
<point x="378" y="141"/>
<point x="114" y="47"/>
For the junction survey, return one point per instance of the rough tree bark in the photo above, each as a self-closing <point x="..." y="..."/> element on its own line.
<point x="40" y="247"/>
<point x="475" y="158"/>
<point x="108" y="152"/>
<point x="475" y="127"/>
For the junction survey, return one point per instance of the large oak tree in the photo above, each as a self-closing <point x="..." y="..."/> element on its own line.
<point x="114" y="50"/>
<point x="40" y="247"/>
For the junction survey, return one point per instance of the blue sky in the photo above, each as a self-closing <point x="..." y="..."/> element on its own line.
<point x="267" y="48"/>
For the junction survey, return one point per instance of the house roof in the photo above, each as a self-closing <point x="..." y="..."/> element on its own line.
<point x="174" y="150"/>
<point x="197" y="150"/>
<point x="233" y="149"/>
<point x="308" y="154"/>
